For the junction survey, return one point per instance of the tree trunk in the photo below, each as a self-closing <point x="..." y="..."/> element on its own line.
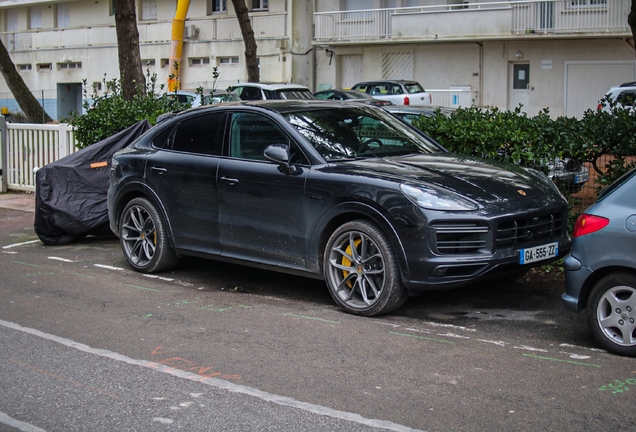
<point x="130" y="70"/>
<point x="251" y="62"/>
<point x="29" y="105"/>
<point x="631" y="20"/>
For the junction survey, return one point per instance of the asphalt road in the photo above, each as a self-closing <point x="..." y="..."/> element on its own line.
<point x="88" y="344"/>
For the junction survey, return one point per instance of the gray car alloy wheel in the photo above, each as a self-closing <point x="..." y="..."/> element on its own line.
<point x="361" y="271"/>
<point x="143" y="238"/>
<point x="613" y="313"/>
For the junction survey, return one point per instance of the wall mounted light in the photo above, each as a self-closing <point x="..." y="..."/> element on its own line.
<point x="519" y="55"/>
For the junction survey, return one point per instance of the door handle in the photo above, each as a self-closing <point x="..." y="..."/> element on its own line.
<point x="160" y="170"/>
<point x="229" y="180"/>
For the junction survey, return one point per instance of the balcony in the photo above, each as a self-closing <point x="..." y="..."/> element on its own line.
<point x="265" y="26"/>
<point x="469" y="21"/>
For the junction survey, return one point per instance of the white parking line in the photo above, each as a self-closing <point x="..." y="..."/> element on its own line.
<point x="21" y="426"/>
<point x="213" y="382"/>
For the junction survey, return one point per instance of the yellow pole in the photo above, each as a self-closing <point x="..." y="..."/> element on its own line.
<point x="178" y="24"/>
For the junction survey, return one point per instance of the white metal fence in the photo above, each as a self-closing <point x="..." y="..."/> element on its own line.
<point x="27" y="147"/>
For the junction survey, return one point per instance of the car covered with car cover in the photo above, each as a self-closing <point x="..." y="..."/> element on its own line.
<point x="333" y="190"/>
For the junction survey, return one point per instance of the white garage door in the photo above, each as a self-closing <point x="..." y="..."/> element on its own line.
<point x="587" y="82"/>
<point x="350" y="70"/>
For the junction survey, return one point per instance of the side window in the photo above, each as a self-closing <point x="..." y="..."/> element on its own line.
<point x="163" y="139"/>
<point x="201" y="134"/>
<point x="627" y="98"/>
<point x="251" y="93"/>
<point x="396" y="90"/>
<point x="250" y="134"/>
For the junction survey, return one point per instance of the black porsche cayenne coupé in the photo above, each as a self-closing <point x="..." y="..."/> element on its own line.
<point x="331" y="190"/>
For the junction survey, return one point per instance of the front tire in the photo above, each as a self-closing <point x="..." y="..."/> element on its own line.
<point x="361" y="270"/>
<point x="143" y="238"/>
<point x="612" y="313"/>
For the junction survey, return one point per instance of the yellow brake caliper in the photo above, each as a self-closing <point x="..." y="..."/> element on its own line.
<point x="347" y="262"/>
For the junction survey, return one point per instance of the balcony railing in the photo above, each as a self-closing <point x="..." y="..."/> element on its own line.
<point x="469" y="20"/>
<point x="264" y="25"/>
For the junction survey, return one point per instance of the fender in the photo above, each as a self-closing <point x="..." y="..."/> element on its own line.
<point x="344" y="212"/>
<point x="139" y="189"/>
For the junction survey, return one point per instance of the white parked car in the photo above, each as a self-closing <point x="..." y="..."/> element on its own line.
<point x="398" y="92"/>
<point x="268" y="91"/>
<point x="623" y="95"/>
<point x="193" y="99"/>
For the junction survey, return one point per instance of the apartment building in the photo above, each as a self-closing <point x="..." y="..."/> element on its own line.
<point x="560" y="54"/>
<point x="57" y="46"/>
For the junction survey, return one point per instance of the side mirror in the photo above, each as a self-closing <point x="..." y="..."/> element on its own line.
<point x="279" y="154"/>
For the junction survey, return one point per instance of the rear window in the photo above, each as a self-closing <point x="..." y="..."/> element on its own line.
<point x="414" y="88"/>
<point x="296" y="94"/>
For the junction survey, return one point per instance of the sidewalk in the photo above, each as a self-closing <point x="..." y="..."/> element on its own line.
<point x="23" y="201"/>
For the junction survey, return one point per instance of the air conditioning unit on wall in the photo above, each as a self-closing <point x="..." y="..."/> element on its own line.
<point x="190" y="32"/>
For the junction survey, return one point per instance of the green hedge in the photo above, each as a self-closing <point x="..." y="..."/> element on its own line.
<point x="108" y="114"/>
<point x="532" y="141"/>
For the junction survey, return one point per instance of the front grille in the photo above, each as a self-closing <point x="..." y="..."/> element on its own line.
<point x="460" y="238"/>
<point x="524" y="230"/>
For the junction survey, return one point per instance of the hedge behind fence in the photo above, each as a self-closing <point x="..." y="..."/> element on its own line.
<point x="532" y="141"/>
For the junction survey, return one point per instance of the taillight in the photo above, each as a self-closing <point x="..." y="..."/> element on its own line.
<point x="587" y="224"/>
<point x="407" y="101"/>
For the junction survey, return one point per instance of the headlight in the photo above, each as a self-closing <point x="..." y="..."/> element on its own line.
<point x="436" y="199"/>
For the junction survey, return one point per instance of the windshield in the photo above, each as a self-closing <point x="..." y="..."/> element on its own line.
<point x="351" y="133"/>
<point x="295" y="94"/>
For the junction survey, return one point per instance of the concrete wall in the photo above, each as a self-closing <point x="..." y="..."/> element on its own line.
<point x="484" y="66"/>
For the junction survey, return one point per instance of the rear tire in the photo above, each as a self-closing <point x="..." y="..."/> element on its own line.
<point x="361" y="270"/>
<point x="612" y="313"/>
<point x="143" y="238"/>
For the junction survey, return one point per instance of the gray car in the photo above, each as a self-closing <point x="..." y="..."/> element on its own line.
<point x="600" y="271"/>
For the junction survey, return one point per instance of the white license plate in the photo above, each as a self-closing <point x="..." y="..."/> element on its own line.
<point x="538" y="253"/>
<point x="581" y="178"/>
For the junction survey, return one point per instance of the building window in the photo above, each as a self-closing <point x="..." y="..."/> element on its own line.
<point x="148" y="62"/>
<point x="69" y="65"/>
<point x="165" y="63"/>
<point x="199" y="61"/>
<point x="148" y="10"/>
<point x="63" y="16"/>
<point x="111" y="8"/>
<point x="588" y="3"/>
<point x="216" y="6"/>
<point x="97" y="86"/>
<point x="44" y="67"/>
<point x="260" y="5"/>
<point x="35" y="17"/>
<point x="24" y="67"/>
<point x="12" y="20"/>
<point x="226" y="61"/>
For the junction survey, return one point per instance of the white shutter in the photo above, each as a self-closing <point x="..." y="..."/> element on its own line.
<point x="350" y="70"/>
<point x="396" y="65"/>
<point x="149" y="10"/>
<point x="587" y="82"/>
<point x="12" y="20"/>
<point x="63" y="15"/>
<point x="35" y="17"/>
